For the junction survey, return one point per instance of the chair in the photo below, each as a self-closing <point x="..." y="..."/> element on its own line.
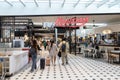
<point x="102" y="52"/>
<point x="111" y="57"/>
<point x="95" y="53"/>
<point x="90" y="54"/>
<point x="82" y="50"/>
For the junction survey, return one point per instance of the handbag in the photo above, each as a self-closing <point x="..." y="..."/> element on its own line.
<point x="59" y="54"/>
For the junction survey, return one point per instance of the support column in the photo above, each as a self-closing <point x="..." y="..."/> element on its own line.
<point x="75" y="41"/>
<point x="14" y="26"/>
<point x="70" y="40"/>
<point x="56" y="35"/>
<point x="75" y="36"/>
<point x="30" y="28"/>
<point x="19" y="33"/>
<point x="0" y="27"/>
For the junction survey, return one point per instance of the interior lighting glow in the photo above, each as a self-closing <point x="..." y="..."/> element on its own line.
<point x="107" y="31"/>
<point x="97" y="24"/>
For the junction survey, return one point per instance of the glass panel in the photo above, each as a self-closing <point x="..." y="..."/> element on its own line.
<point x="12" y="0"/>
<point x="66" y="1"/>
<point x="91" y="0"/>
<point x="73" y="1"/>
<point x="28" y="0"/>
<point x="84" y="0"/>
<point x="19" y="1"/>
<point x="42" y="0"/>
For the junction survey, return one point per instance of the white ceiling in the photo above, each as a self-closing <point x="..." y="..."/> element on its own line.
<point x="50" y="7"/>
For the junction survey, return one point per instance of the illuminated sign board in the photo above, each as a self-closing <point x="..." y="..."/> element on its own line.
<point x="70" y="23"/>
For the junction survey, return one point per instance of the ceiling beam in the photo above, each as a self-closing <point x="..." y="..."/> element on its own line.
<point x="89" y="3"/>
<point x="114" y="3"/>
<point x="50" y="3"/>
<point x="8" y="2"/>
<point x="102" y="3"/>
<point x="36" y="3"/>
<point x="76" y="3"/>
<point x="63" y="3"/>
<point x="22" y="3"/>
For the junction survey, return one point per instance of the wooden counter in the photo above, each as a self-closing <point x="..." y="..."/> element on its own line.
<point x="109" y="45"/>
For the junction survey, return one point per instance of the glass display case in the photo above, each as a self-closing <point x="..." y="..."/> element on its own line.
<point x="18" y="43"/>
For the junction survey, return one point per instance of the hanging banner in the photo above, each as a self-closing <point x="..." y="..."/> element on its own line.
<point x="71" y="23"/>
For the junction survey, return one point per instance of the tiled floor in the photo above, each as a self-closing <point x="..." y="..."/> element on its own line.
<point x="79" y="68"/>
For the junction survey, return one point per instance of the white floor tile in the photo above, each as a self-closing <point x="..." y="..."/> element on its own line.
<point x="79" y="68"/>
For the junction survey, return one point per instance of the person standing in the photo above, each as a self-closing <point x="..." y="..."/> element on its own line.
<point x="48" y="45"/>
<point x="64" y="47"/>
<point x="33" y="52"/>
<point x="53" y="52"/>
<point x="45" y="44"/>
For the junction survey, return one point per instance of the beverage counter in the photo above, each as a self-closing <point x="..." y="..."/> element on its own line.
<point x="14" y="60"/>
<point x="108" y="46"/>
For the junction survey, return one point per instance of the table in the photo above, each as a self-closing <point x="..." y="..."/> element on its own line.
<point x="86" y="51"/>
<point x="116" y="52"/>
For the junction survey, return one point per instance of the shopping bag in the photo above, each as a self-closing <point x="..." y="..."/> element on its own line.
<point x="47" y="61"/>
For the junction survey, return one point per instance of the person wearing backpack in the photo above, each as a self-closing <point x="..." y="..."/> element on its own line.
<point x="64" y="48"/>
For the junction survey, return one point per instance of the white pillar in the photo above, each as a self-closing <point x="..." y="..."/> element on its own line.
<point x="56" y="35"/>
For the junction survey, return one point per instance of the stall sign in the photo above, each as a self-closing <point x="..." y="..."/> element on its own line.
<point x="72" y="22"/>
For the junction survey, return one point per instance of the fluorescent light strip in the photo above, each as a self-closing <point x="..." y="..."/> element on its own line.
<point x="36" y="3"/>
<point x="114" y="3"/>
<point x="8" y="2"/>
<point x="63" y="3"/>
<point x="102" y="3"/>
<point x="76" y="3"/>
<point x="22" y="3"/>
<point x="90" y="2"/>
<point x="49" y="3"/>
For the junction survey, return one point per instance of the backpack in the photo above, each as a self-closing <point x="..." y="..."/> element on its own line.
<point x="63" y="47"/>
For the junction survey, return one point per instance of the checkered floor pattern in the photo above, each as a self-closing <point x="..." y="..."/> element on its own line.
<point x="79" y="68"/>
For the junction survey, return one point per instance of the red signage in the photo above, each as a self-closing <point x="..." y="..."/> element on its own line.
<point x="71" y="23"/>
